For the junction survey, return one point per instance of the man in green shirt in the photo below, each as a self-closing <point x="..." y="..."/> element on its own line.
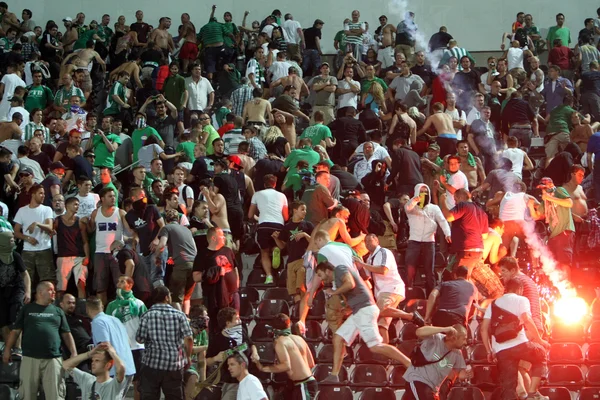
<point x="42" y="325"/>
<point x="560" y="124"/>
<point x="558" y="32"/>
<point x="117" y="97"/>
<point x="175" y="92"/>
<point x="64" y="94"/>
<point x="141" y="133"/>
<point x="305" y="152"/>
<point x="319" y="134"/>
<point x="212" y="36"/>
<point x="38" y="95"/>
<point x="105" y="146"/>
<point x="370" y="77"/>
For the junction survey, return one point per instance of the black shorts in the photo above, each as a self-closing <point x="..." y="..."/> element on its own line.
<point x="11" y="301"/>
<point x="105" y="267"/>
<point x="263" y="234"/>
<point x="302" y="391"/>
<point x="211" y="58"/>
<point x="137" y="361"/>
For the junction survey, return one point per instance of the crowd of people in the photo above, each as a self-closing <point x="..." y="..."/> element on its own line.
<point x="137" y="168"/>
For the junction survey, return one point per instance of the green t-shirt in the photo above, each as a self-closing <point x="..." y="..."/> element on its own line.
<point x="83" y="39"/>
<point x="187" y="148"/>
<point x="212" y="135"/>
<point x="340" y="37"/>
<point x="212" y="33"/>
<point x="42" y="327"/>
<point x="105" y="33"/>
<point x="112" y="107"/>
<point x="305" y="153"/>
<point x="293" y="181"/>
<point x="221" y="114"/>
<point x="560" y="119"/>
<point x="138" y="138"/>
<point x="173" y="88"/>
<point x="563" y="214"/>
<point x="316" y="133"/>
<point x="105" y="158"/>
<point x="38" y="97"/>
<point x="365" y="85"/>
<point x="229" y="28"/>
<point x="563" y="33"/>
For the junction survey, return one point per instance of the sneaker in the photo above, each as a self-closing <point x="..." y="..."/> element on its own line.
<point x="331" y="379"/>
<point x="269" y="280"/>
<point x="16" y="352"/>
<point x="417" y="319"/>
<point x="537" y="396"/>
<point x="276" y="258"/>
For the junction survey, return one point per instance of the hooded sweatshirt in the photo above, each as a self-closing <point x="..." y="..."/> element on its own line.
<point x="423" y="222"/>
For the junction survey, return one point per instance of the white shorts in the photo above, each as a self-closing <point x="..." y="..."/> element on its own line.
<point x="386" y="57"/>
<point x="364" y="322"/>
<point x="65" y="266"/>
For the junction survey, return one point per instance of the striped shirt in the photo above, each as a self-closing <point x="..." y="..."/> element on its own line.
<point x="352" y="39"/>
<point x="212" y="33"/>
<point x="31" y="127"/>
<point x="255" y="68"/>
<point x="64" y="95"/>
<point x="5" y="226"/>
<point x="239" y="98"/>
<point x="459" y="53"/>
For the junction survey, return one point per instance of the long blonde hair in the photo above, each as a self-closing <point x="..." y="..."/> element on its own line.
<point x="272" y="134"/>
<point x="377" y="93"/>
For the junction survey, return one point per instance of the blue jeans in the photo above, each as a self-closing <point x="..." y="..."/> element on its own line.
<point x="420" y="253"/>
<point x="155" y="272"/>
<point x="311" y="62"/>
<point x="508" y="366"/>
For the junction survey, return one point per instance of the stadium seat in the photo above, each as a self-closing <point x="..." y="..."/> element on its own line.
<point x="594" y="332"/>
<point x="476" y="338"/>
<point x="8" y="393"/>
<point x="277" y="294"/>
<point x="567" y="333"/>
<point x="317" y="311"/>
<point x="593" y="376"/>
<point x="325" y="355"/>
<point x="250" y="294"/>
<point x="485" y="376"/>
<point x="322" y="371"/>
<point x="313" y="349"/>
<point x="414" y="293"/>
<point x="260" y="333"/>
<point x="419" y="305"/>
<point x="393" y="331"/>
<point x="592" y="354"/>
<point x="589" y="393"/>
<point x="281" y="278"/>
<point x="268" y="309"/>
<point x="478" y="354"/>
<point x="396" y="379"/>
<point x="266" y="352"/>
<point x="408" y="332"/>
<point x="247" y="312"/>
<point x="565" y="353"/>
<point x="314" y="331"/>
<point x="378" y="393"/>
<point x="9" y="373"/>
<point x="556" y="393"/>
<point x="256" y="279"/>
<point x="465" y="393"/>
<point x="440" y="260"/>
<point x="565" y="375"/>
<point x="334" y="392"/>
<point x="365" y="356"/>
<point x="407" y="347"/>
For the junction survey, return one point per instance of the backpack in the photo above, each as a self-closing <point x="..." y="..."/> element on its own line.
<point x="505" y="325"/>
<point x="417" y="358"/>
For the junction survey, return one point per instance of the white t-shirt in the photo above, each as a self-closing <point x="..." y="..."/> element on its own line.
<point x="270" y="204"/>
<point x="458" y="181"/>
<point x="11" y="82"/>
<point x="290" y="31"/>
<point x="516" y="156"/>
<point x="27" y="216"/>
<point x="348" y="99"/>
<point x="514" y="57"/>
<point x="268" y="29"/>
<point x="391" y="281"/>
<point x="514" y="304"/>
<point x="250" y="388"/>
<point x="108" y="390"/>
<point x="148" y="153"/>
<point x="189" y="194"/>
<point x="512" y="207"/>
<point x="279" y="69"/>
<point x="87" y="204"/>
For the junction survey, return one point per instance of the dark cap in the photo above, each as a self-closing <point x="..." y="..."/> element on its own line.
<point x="26" y="170"/>
<point x="16" y="98"/>
<point x="143" y="114"/>
<point x="88" y="153"/>
<point x="318" y="21"/>
<point x="56" y="165"/>
<point x="325" y="63"/>
<point x="434" y="146"/>
<point x="222" y="163"/>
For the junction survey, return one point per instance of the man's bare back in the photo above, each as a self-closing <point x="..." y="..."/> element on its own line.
<point x="219" y="216"/>
<point x="442" y="123"/>
<point x="256" y="109"/>
<point x="132" y="68"/>
<point x="297" y="352"/>
<point x="85" y="57"/>
<point x="8" y="130"/>
<point x="387" y="35"/>
<point x="189" y="32"/>
<point x="295" y="81"/>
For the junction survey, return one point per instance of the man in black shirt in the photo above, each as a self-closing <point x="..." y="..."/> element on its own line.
<point x="466" y="83"/>
<point x="422" y="69"/>
<point x="80" y="166"/>
<point x="165" y="124"/>
<point x="312" y="53"/>
<point x="128" y="259"/>
<point x="348" y="132"/>
<point x="589" y="86"/>
<point x="406" y="167"/>
<point x="81" y="328"/>
<point x="519" y="120"/>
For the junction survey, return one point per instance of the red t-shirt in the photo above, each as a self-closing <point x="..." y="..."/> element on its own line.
<point x="224" y="129"/>
<point x="561" y="56"/>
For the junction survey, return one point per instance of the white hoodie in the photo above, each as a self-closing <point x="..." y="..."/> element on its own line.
<point x="423" y="222"/>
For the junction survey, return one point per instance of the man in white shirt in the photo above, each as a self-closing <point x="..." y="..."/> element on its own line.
<point x="456" y="180"/>
<point x="506" y="328"/>
<point x="348" y="90"/>
<point x="279" y="68"/>
<point x="98" y="384"/>
<point x="250" y="387"/>
<point x="201" y="94"/>
<point x="389" y="287"/>
<point x="272" y="208"/>
<point x="10" y="81"/>
<point x="88" y="200"/>
<point x="294" y="35"/>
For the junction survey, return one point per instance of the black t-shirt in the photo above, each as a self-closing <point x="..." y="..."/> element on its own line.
<point x="81" y="167"/>
<point x="309" y="37"/>
<point x="425" y="72"/>
<point x="359" y="216"/>
<point x="166" y="129"/>
<point x="470" y="222"/>
<point x="439" y="40"/>
<point x="141" y="288"/>
<point x="142" y="29"/>
<point x="457" y="296"/>
<point x="347" y="180"/>
<point x="48" y="54"/>
<point x="467" y="81"/>
<point x="217" y="295"/>
<point x="80" y="330"/>
<point x="590" y="82"/>
<point x="43" y="159"/>
<point x="145" y="225"/>
<point x="264" y="167"/>
<point x="47" y="183"/>
<point x="406" y="165"/>
<point x="277" y="147"/>
<point x="11" y="275"/>
<point x="200" y="168"/>
<point x="348" y="129"/>
<point x="151" y="56"/>
<point x="4" y="170"/>
<point x="219" y="343"/>
<point x="296" y="249"/>
<point x="200" y="234"/>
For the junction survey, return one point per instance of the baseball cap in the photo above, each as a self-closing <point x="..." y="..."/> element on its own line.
<point x="26" y="170"/>
<point x="319" y="21"/>
<point x="325" y="63"/>
<point x="237" y="162"/>
<point x="68" y="19"/>
<point x="56" y="165"/>
<point x="89" y="153"/>
<point x="141" y="113"/>
<point x="221" y="162"/>
<point x="434" y="146"/>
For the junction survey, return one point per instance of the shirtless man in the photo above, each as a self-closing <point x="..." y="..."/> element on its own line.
<point x="444" y="127"/>
<point x="336" y="226"/>
<point x="11" y="129"/>
<point x="216" y="206"/>
<point x="286" y="122"/>
<point x="257" y="109"/>
<point x="81" y="60"/>
<point x="472" y="172"/>
<point x="9" y="20"/>
<point x="294" y="358"/>
<point x="580" y="208"/>
<point x="161" y="36"/>
<point x="581" y="133"/>
<point x="385" y="55"/>
<point x="189" y="49"/>
<point x="70" y="36"/>
<point x="292" y="80"/>
<point x="132" y="68"/>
